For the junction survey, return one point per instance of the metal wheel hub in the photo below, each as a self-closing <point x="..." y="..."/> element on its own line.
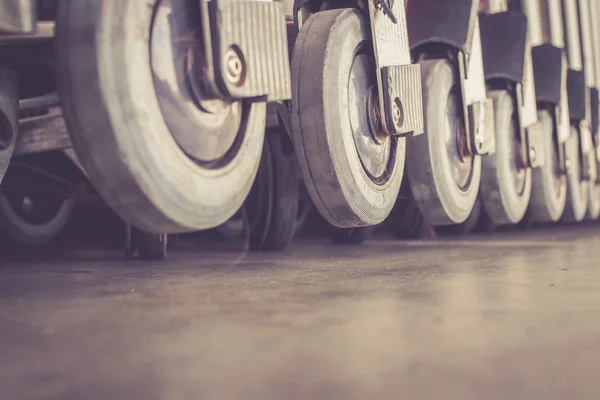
<point x="372" y="145"/>
<point x="461" y="162"/>
<point x="205" y="128"/>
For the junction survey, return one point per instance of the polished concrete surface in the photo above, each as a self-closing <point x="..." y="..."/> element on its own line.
<point x="516" y="317"/>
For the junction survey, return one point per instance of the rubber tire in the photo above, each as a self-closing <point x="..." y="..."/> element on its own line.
<point x="33" y="235"/>
<point x="545" y="204"/>
<point x="406" y="220"/>
<point x="352" y="236"/>
<point x="329" y="163"/>
<point x="440" y="200"/>
<point x="503" y="204"/>
<point x="577" y="190"/>
<point x="279" y="229"/>
<point x="110" y="104"/>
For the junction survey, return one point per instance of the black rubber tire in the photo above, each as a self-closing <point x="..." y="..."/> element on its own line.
<point x="406" y="220"/>
<point x="547" y="203"/>
<point x="353" y="236"/>
<point x="503" y="202"/>
<point x="441" y="200"/>
<point x="330" y="165"/>
<point x="104" y="64"/>
<point x="280" y="184"/>
<point x="577" y="188"/>
<point x="33" y="235"/>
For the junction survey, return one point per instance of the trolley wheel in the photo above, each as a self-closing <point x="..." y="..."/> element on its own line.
<point x="549" y="187"/>
<point x="505" y="180"/>
<point x="444" y="178"/>
<point x="353" y="236"/>
<point x="163" y="156"/>
<point x="352" y="171"/>
<point x="34" y="220"/>
<point x="406" y="220"/>
<point x="470" y="225"/>
<point x="149" y="246"/>
<point x="577" y="187"/>
<point x="272" y="205"/>
<point x="593" y="210"/>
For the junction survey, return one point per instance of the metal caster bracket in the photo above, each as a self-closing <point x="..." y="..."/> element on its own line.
<point x="398" y="80"/>
<point x="442" y="28"/>
<point x="232" y="63"/>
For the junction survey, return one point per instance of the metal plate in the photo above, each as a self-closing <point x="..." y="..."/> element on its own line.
<point x="550" y="72"/>
<point x="577" y="94"/>
<point x="257" y="31"/>
<point x="441" y="21"/>
<point x="475" y="90"/>
<point x="396" y="78"/>
<point x="44" y="133"/>
<point x="535" y="145"/>
<point x="489" y="129"/>
<point x="504" y="55"/>
<point x="404" y="83"/>
<point x="564" y="124"/>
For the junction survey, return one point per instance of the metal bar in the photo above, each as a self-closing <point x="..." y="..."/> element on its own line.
<point x="45" y="101"/>
<point x="44" y="32"/>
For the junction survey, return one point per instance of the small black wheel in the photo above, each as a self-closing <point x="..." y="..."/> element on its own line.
<point x="272" y="205"/>
<point x="148" y="246"/>
<point x="354" y="236"/>
<point x="406" y="220"/>
<point x="34" y="220"/>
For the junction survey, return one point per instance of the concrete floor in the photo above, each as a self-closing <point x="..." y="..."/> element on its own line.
<point x="513" y="318"/>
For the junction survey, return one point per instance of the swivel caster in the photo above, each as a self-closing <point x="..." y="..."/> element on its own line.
<point x="148" y="246"/>
<point x="175" y="138"/>
<point x="34" y="220"/>
<point x="506" y="177"/>
<point x="350" y="152"/>
<point x="272" y="205"/>
<point x="444" y="164"/>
